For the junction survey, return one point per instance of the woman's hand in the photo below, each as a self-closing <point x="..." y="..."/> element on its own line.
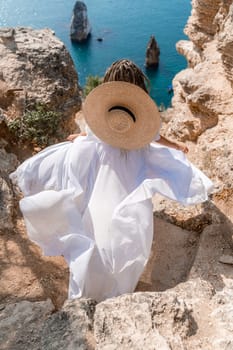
<point x="182" y="147"/>
<point x="72" y="137"/>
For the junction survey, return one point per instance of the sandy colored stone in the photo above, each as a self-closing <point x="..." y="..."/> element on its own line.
<point x="21" y="324"/>
<point x="38" y="63"/>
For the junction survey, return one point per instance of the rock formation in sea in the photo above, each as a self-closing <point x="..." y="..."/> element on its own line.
<point x="80" y="28"/>
<point x="184" y="297"/>
<point x="152" y="53"/>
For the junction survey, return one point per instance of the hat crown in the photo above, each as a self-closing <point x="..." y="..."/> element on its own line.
<point x="120" y="119"/>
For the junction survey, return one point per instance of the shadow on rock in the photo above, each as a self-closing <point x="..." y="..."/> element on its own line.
<point x="179" y="254"/>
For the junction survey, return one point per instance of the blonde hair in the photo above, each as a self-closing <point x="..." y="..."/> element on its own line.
<point x="126" y="70"/>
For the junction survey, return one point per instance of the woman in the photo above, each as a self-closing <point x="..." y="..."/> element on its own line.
<point x="90" y="200"/>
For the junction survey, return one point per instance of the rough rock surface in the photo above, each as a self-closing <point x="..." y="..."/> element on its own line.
<point x="6" y="202"/>
<point x="152" y="53"/>
<point x="37" y="62"/>
<point x="8" y="162"/>
<point x="21" y="323"/>
<point x="70" y="328"/>
<point x="203" y="93"/>
<point x="80" y="28"/>
<point x="192" y="316"/>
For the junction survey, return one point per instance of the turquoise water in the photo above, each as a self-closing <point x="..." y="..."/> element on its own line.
<point x="125" y="26"/>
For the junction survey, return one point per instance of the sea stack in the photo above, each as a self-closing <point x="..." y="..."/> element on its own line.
<point x="152" y="53"/>
<point x="80" y="28"/>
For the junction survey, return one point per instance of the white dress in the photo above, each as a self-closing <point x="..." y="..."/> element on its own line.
<point x="92" y="204"/>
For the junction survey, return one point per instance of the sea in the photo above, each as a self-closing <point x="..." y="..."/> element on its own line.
<point x="125" y="27"/>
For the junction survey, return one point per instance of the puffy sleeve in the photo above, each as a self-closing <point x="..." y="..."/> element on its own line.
<point x="170" y="173"/>
<point x="43" y="171"/>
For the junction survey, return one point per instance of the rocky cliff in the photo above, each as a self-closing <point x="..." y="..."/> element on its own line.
<point x="184" y="297"/>
<point x="37" y="64"/>
<point x="203" y="101"/>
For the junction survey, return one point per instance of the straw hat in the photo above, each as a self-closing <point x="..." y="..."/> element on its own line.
<point x="122" y="114"/>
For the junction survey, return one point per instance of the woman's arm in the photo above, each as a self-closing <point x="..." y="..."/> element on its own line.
<point x="177" y="145"/>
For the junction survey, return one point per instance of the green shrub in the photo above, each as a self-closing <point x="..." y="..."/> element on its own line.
<point x="91" y="83"/>
<point x="36" y="125"/>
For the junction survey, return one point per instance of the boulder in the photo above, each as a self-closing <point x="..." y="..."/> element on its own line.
<point x="21" y="324"/>
<point x="71" y="327"/>
<point x="152" y="321"/>
<point x="34" y="325"/>
<point x="191" y="316"/>
<point x="35" y="68"/>
<point x="80" y="27"/>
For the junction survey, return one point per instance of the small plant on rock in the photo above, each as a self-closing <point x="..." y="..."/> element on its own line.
<point x="36" y="125"/>
<point x="91" y="83"/>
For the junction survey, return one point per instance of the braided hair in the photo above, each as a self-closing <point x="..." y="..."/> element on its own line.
<point x="126" y="70"/>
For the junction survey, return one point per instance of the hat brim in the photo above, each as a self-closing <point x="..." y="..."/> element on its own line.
<point x="118" y="93"/>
